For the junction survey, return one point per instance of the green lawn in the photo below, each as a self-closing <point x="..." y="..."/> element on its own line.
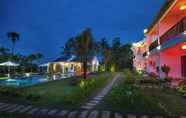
<point x="3" y="78"/>
<point x="58" y="94"/>
<point x="128" y="99"/>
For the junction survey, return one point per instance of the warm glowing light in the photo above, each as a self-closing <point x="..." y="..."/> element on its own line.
<point x="159" y="47"/>
<point x="184" y="32"/>
<point x="183" y="7"/>
<point x="148" y="53"/>
<point x="147" y="57"/>
<point x="145" y="31"/>
<point x="183" y="47"/>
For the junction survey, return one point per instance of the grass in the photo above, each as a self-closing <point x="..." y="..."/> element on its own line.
<point x="58" y="94"/>
<point x="3" y="78"/>
<point x="126" y="98"/>
<point x="130" y="100"/>
<point x="171" y="100"/>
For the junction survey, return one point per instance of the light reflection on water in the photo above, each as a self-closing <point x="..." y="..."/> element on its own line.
<point x="27" y="81"/>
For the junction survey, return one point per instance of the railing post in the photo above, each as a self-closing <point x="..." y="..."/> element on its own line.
<point x="159" y="51"/>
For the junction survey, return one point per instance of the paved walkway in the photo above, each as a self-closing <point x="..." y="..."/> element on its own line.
<point x="96" y="100"/>
<point x="42" y="112"/>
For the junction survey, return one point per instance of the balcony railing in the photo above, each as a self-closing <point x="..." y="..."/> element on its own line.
<point x="177" y="29"/>
<point x="153" y="45"/>
<point x="180" y="27"/>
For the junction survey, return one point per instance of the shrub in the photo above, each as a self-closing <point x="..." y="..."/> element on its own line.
<point x="150" y="80"/>
<point x="129" y="98"/>
<point x="31" y="96"/>
<point x="154" y="75"/>
<point x="165" y="69"/>
<point x="182" y="90"/>
<point x="10" y="91"/>
<point x="84" y="89"/>
<point x="168" y="79"/>
<point x="129" y="77"/>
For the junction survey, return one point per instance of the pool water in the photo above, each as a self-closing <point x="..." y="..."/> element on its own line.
<point x="25" y="81"/>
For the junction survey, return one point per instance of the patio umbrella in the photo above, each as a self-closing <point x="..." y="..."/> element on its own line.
<point x="9" y="64"/>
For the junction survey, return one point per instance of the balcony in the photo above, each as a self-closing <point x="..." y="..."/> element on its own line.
<point x="177" y="29"/>
<point x="180" y="27"/>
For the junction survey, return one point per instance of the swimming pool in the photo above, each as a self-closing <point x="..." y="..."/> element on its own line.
<point x="28" y="81"/>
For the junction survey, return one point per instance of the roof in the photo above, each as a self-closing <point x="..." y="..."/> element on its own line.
<point x="72" y="59"/>
<point x="162" y="11"/>
<point x="67" y="59"/>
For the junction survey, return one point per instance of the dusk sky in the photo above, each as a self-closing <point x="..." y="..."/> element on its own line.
<point x="45" y="25"/>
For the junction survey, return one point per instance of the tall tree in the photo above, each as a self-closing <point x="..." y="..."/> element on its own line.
<point x="126" y="57"/>
<point x="38" y="56"/>
<point x="115" y="52"/>
<point x="105" y="51"/>
<point x="69" y="47"/>
<point x="14" y="37"/>
<point x="30" y="59"/>
<point x="85" y="48"/>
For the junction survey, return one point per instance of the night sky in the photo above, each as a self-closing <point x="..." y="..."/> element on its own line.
<point x="45" y="25"/>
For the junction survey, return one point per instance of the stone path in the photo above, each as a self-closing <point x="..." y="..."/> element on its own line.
<point x="96" y="100"/>
<point x="36" y="111"/>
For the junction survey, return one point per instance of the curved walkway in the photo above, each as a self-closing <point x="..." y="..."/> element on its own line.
<point x="96" y="100"/>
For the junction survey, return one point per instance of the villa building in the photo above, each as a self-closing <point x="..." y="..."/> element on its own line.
<point x="165" y="42"/>
<point x="72" y="65"/>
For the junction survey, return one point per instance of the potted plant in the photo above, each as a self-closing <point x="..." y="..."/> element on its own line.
<point x="166" y="69"/>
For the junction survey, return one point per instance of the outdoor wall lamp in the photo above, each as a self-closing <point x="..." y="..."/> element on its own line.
<point x="183" y="7"/>
<point x="159" y="47"/>
<point x="183" y="47"/>
<point x="145" y="31"/>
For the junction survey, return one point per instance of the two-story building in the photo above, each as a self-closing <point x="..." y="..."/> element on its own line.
<point x="166" y="40"/>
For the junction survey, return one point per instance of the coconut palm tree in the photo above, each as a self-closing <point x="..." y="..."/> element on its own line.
<point x="69" y="47"/>
<point x="30" y="59"/>
<point x="84" y="48"/>
<point x="14" y="37"/>
<point x="39" y="56"/>
<point x="105" y="51"/>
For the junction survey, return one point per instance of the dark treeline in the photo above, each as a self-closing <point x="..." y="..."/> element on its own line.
<point x="115" y="56"/>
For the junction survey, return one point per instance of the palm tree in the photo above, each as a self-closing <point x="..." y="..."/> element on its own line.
<point x="39" y="56"/>
<point x="69" y="47"/>
<point x="105" y="51"/>
<point x="14" y="37"/>
<point x="84" y="48"/>
<point x="30" y="59"/>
